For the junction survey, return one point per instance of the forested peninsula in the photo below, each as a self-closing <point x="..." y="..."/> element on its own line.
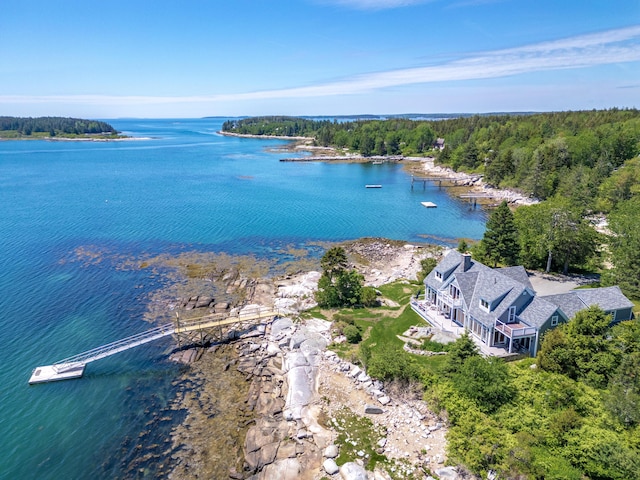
<point x="573" y="412"/>
<point x="55" y="127"/>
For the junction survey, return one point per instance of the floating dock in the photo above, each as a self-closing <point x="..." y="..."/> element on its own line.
<point x="428" y="204"/>
<point x="52" y="373"/>
<point x="373" y="186"/>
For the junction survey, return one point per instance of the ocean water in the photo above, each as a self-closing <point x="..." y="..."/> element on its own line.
<point x="73" y="213"/>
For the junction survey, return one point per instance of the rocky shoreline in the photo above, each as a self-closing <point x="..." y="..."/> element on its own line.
<point x="270" y="404"/>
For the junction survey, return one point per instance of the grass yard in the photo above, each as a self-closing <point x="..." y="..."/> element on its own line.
<point x="380" y="327"/>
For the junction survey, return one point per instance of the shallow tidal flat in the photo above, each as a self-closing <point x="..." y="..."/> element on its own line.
<point x="209" y="442"/>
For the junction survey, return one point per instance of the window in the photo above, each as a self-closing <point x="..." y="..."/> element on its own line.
<point x="512" y="314"/>
<point x="554" y="320"/>
<point x="438" y="276"/>
<point x="484" y="304"/>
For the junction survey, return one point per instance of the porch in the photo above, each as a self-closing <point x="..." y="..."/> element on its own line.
<point x="517" y="337"/>
<point x="430" y="313"/>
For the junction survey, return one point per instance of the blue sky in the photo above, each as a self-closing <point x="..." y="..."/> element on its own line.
<point x="193" y="58"/>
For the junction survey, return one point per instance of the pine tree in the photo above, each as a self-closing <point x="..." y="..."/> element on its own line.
<point x="500" y="241"/>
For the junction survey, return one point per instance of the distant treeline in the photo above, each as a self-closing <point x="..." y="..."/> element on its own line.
<point x="566" y="153"/>
<point x="55" y="126"/>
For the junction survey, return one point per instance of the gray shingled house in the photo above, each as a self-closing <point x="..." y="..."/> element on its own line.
<point x="499" y="307"/>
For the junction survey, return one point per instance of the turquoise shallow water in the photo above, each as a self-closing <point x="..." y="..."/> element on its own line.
<point x="184" y="187"/>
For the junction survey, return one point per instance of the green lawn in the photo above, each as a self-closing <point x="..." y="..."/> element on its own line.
<point x="380" y="326"/>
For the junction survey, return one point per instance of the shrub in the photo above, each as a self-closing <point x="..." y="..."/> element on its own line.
<point x="352" y="333"/>
<point x="426" y="264"/>
<point x="431" y="346"/>
<point x="368" y="297"/>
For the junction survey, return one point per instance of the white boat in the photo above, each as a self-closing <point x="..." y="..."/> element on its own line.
<point x="428" y="204"/>
<point x="373" y="186"/>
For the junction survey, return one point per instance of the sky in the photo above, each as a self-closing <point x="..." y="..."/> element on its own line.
<point x="195" y="58"/>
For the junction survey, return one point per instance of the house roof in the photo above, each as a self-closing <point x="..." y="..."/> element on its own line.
<point x="502" y="287"/>
<point x="453" y="262"/>
<point x="518" y="273"/>
<point x="607" y="298"/>
<point x="498" y="289"/>
<point x="466" y="282"/>
<point x="569" y="303"/>
<point x="537" y="312"/>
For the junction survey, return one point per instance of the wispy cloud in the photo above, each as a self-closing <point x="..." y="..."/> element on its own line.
<point x="603" y="48"/>
<point x="373" y="4"/>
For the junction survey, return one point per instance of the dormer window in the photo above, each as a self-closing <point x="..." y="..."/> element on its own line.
<point x="438" y="276"/>
<point x="484" y="304"/>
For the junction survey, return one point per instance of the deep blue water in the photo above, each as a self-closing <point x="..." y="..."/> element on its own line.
<point x="183" y="187"/>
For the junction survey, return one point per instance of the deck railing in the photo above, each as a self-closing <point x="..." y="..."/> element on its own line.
<point x="512" y="332"/>
<point x="450" y="300"/>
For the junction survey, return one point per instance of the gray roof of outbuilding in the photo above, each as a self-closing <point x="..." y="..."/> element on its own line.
<point x="537" y="312"/>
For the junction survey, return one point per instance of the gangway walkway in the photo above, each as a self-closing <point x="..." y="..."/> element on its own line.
<point x="73" y="367"/>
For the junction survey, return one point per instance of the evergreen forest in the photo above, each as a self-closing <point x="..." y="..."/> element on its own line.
<point x="25" y="127"/>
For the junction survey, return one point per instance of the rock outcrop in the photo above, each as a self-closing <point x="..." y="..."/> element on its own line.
<point x="286" y="440"/>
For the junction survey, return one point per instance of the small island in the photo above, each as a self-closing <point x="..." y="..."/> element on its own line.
<point x="48" y="128"/>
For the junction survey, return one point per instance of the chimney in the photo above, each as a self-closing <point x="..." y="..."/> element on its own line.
<point x="466" y="261"/>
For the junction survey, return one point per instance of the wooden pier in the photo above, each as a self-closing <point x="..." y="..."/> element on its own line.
<point x="473" y="197"/>
<point x="451" y="180"/>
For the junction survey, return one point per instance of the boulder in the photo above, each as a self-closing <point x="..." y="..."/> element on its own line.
<point x="447" y="473"/>
<point x="264" y="456"/>
<point x="285" y="469"/>
<point x="384" y="400"/>
<point x="272" y="349"/>
<point x="203" y="301"/>
<point x="221" y="307"/>
<point x="372" y="409"/>
<point x="286" y="450"/>
<point x="330" y="466"/>
<point x="297" y="338"/>
<point x="281" y="326"/>
<point x="331" y="451"/>
<point x="353" y="471"/>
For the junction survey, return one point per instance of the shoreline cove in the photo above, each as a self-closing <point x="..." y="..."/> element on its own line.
<point x="418" y="166"/>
